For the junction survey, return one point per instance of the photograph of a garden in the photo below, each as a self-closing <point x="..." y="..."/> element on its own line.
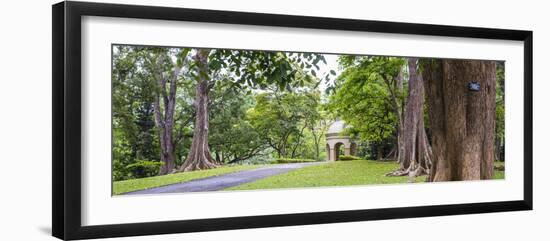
<point x="201" y="120"/>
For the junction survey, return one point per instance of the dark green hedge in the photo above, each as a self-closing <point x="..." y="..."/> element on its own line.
<point x="144" y="168"/>
<point x="348" y="158"/>
<point x="291" y="160"/>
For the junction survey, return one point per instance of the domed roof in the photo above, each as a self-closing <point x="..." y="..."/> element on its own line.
<point x="336" y="127"/>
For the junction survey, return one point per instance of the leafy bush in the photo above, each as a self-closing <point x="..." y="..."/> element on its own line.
<point x="291" y="160"/>
<point x="348" y="158"/>
<point x="144" y="168"/>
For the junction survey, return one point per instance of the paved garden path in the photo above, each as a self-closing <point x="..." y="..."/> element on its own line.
<point x="221" y="182"/>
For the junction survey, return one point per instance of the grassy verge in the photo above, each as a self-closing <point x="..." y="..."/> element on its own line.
<point x="120" y="187"/>
<point x="359" y="172"/>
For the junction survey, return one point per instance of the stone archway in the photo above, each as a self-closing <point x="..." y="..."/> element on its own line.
<point x="336" y="140"/>
<point x="336" y="146"/>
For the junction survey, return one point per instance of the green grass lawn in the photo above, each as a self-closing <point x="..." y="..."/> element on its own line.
<point x="125" y="186"/>
<point x="342" y="173"/>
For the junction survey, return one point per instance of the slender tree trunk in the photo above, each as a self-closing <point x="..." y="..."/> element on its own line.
<point x="462" y="120"/>
<point x="282" y="152"/>
<point x="293" y="155"/>
<point x="414" y="153"/>
<point x="316" y="140"/>
<point x="165" y="121"/>
<point x="218" y="157"/>
<point x="199" y="156"/>
<point x="282" y="146"/>
<point x="166" y="154"/>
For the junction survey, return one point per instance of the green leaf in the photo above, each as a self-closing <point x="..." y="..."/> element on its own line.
<point x="313" y="73"/>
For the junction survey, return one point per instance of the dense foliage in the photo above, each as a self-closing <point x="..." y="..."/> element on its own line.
<point x="370" y="99"/>
<point x="499" y="142"/>
<point x="261" y="105"/>
<point x="258" y="107"/>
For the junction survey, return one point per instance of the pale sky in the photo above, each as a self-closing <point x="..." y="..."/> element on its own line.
<point x="332" y="64"/>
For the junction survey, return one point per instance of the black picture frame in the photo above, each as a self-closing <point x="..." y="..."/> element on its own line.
<point x="66" y="127"/>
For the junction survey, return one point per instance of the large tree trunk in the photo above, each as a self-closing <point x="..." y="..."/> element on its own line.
<point x="462" y="120"/>
<point x="199" y="156"/>
<point x="165" y="122"/>
<point x="167" y="152"/>
<point x="414" y="152"/>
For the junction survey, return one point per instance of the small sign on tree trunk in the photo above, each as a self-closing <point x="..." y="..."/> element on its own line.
<point x="474" y="86"/>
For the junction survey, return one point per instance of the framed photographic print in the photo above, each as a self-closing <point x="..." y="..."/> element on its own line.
<point x="170" y="120"/>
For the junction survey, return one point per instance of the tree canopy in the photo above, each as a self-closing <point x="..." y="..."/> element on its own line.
<point x="186" y="109"/>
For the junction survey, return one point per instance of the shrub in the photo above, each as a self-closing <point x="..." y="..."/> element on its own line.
<point x="348" y="158"/>
<point x="292" y="160"/>
<point x="144" y="168"/>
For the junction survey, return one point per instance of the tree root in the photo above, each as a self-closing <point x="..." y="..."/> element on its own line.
<point x="198" y="165"/>
<point x="200" y="160"/>
<point x="412" y="172"/>
<point x="397" y="173"/>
